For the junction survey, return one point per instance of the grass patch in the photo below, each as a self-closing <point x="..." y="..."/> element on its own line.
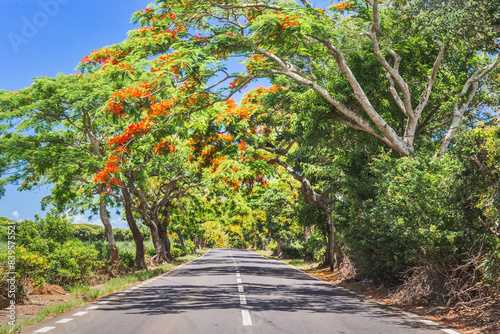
<point x="91" y="292"/>
<point x="85" y="293"/>
<point x="299" y="263"/>
<point x="42" y="314"/>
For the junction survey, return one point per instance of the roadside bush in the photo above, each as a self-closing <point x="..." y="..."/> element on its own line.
<point x="126" y="258"/>
<point x="177" y="251"/>
<point x="295" y="250"/>
<point x="315" y="248"/>
<point x="43" y="235"/>
<point x="190" y="246"/>
<point x="122" y="235"/>
<point x="421" y="213"/>
<point x="72" y="262"/>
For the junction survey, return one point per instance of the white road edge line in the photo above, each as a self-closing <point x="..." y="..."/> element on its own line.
<point x="44" y="330"/>
<point x="240" y="288"/>
<point x="79" y="314"/>
<point x="450" y="331"/>
<point x="430" y="322"/>
<point x="243" y="300"/>
<point x="245" y="314"/>
<point x="64" y="321"/>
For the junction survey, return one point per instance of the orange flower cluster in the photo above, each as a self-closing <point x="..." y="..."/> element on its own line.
<point x="236" y="82"/>
<point x="287" y="21"/>
<point x="160" y="108"/>
<point x="343" y="6"/>
<point x="164" y="147"/>
<point x="115" y="103"/>
<point x="104" y="55"/>
<point x="225" y="137"/>
<point x="110" y="168"/>
<point x="242" y="146"/>
<point x="114" y="106"/>
<point x="132" y="130"/>
<point x="233" y="111"/>
<point x="256" y="61"/>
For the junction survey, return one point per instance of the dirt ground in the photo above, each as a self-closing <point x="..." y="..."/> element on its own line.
<point x="38" y="303"/>
<point x="480" y="320"/>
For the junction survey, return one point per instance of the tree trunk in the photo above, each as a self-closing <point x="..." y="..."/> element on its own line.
<point x="307" y="233"/>
<point x="278" y="249"/>
<point x="339" y="257"/>
<point x="140" y="260"/>
<point x="181" y="239"/>
<point x="158" y="243"/>
<point x="108" y="230"/>
<point x="163" y="232"/>
<point x="331" y="241"/>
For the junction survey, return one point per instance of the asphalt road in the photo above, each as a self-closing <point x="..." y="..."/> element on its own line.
<point x="235" y="291"/>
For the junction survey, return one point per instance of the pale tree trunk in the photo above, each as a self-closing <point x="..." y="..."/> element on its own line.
<point x="140" y="260"/>
<point x="181" y="239"/>
<point x="108" y="230"/>
<point x="331" y="241"/>
<point x="307" y="233"/>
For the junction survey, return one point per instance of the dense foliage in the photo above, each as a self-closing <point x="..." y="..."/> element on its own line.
<point x="375" y="144"/>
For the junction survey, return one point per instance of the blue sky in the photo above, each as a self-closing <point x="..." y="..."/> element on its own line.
<point x="47" y="37"/>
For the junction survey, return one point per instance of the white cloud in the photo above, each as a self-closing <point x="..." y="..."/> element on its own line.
<point x="79" y="219"/>
<point x="120" y="223"/>
<point x="15" y="214"/>
<point x="82" y="219"/>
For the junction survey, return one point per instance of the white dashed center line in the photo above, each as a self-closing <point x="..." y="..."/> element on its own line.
<point x="92" y="307"/>
<point x="243" y="300"/>
<point x="238" y="280"/>
<point x="103" y="302"/>
<point x="44" y="330"/>
<point x="245" y="314"/>
<point x="240" y="288"/>
<point x="112" y="298"/>
<point x="64" y="321"/>
<point x="238" y="275"/>
<point x="134" y="288"/>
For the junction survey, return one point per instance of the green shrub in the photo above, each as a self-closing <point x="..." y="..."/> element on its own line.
<point x="72" y="262"/>
<point x="44" y="234"/>
<point x="88" y="232"/>
<point x="190" y="246"/>
<point x="126" y="258"/>
<point x="177" y="251"/>
<point x="295" y="250"/>
<point x="420" y="213"/>
<point x="316" y="247"/>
